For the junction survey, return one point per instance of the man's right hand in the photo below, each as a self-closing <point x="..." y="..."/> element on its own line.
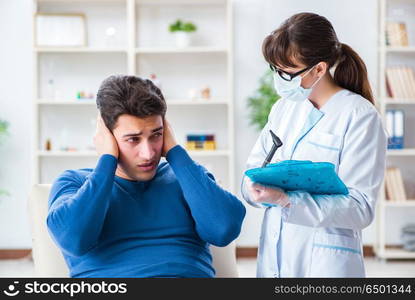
<point x="104" y="140"/>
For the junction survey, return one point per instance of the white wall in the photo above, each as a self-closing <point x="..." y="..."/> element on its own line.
<point x="355" y="22"/>
<point x="15" y="106"/>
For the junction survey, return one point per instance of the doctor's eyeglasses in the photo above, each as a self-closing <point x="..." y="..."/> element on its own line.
<point x="285" y="75"/>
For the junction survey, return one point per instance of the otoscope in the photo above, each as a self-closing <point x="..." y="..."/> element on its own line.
<point x="276" y="143"/>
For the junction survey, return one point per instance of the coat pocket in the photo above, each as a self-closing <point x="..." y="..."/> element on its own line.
<point x="336" y="256"/>
<point x="325" y="147"/>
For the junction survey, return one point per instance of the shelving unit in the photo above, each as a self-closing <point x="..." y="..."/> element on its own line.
<point x="408" y="49"/>
<point x="149" y="50"/>
<point x="143" y="46"/>
<point x="171" y="102"/>
<point x="407" y="203"/>
<point x="405" y="158"/>
<point x="78" y="50"/>
<point x="403" y="152"/>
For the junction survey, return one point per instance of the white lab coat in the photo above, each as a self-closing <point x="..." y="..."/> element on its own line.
<point x="320" y="235"/>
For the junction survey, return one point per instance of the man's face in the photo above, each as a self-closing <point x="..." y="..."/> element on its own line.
<point x="140" y="141"/>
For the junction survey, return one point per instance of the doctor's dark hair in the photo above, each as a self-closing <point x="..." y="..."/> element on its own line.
<point x="310" y="38"/>
<point x="122" y="94"/>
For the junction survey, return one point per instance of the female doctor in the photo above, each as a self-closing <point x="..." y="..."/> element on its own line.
<point x="323" y="118"/>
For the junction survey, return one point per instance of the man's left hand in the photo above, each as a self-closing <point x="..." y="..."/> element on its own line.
<point x="169" y="138"/>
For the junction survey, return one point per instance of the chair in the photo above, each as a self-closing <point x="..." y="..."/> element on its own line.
<point x="48" y="259"/>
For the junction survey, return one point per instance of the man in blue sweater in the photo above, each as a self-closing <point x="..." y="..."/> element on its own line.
<point x="132" y="216"/>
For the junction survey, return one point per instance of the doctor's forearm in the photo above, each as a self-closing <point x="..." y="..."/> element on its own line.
<point x="351" y="211"/>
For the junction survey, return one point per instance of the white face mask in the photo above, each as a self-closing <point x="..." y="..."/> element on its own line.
<point x="292" y="90"/>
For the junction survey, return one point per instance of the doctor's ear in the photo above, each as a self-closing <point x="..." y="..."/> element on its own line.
<point x="321" y="68"/>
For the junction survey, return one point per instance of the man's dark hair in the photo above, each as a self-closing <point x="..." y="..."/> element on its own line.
<point x="122" y="94"/>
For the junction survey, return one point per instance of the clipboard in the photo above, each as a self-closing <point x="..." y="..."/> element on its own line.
<point x="300" y="175"/>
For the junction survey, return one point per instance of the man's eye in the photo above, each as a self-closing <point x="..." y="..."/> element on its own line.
<point x="156" y="135"/>
<point x="133" y="140"/>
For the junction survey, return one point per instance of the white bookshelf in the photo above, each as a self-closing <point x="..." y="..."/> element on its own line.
<point x="406" y="203"/>
<point x="394" y="253"/>
<point x="163" y="50"/>
<point x="44" y="153"/>
<point x="402" y="152"/>
<point x="194" y="153"/>
<point x="143" y="46"/>
<point x="78" y="50"/>
<point x="402" y="158"/>
<point x="408" y="49"/>
<point x="390" y="101"/>
<point x="170" y="102"/>
<point x="66" y="102"/>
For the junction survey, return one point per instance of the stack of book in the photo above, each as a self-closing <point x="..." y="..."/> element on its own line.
<point x="395" y="190"/>
<point x="396" y="34"/>
<point x="400" y="82"/>
<point x="395" y="128"/>
<point x="200" y="142"/>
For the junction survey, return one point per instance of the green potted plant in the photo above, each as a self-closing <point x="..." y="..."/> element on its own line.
<point x="261" y="102"/>
<point x="3" y="132"/>
<point x="182" y="31"/>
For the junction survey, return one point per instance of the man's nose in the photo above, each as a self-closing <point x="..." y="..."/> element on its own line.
<point x="146" y="151"/>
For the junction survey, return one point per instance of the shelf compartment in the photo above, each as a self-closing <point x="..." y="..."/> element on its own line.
<point x="190" y="72"/>
<point x="99" y="16"/>
<point x="179" y="2"/>
<point x="402" y="49"/>
<point x="76" y="73"/>
<point x="401" y="152"/>
<point x="172" y="102"/>
<point x="405" y="203"/>
<point x="47" y="102"/>
<point x="211" y="20"/>
<point x="79" y="50"/>
<point x="392" y="101"/>
<point x="394" y="253"/>
<point x="201" y="153"/>
<point x="173" y="50"/>
<point x="44" y="153"/>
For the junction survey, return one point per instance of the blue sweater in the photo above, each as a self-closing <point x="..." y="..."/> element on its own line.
<point x="107" y="226"/>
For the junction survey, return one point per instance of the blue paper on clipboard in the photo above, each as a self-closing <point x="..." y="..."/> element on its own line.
<point x="300" y="175"/>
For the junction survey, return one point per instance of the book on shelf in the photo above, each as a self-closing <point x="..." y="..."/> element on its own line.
<point x="396" y="34"/>
<point x="400" y="83"/>
<point x="395" y="120"/>
<point x="200" y="142"/>
<point x="395" y="189"/>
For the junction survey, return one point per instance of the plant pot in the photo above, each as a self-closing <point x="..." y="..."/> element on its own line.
<point x="182" y="39"/>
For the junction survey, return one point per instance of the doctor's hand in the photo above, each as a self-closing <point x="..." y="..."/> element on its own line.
<point x="263" y="194"/>
<point x="169" y="140"/>
<point x="104" y="140"/>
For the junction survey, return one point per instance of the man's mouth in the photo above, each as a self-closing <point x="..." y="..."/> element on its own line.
<point x="147" y="166"/>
